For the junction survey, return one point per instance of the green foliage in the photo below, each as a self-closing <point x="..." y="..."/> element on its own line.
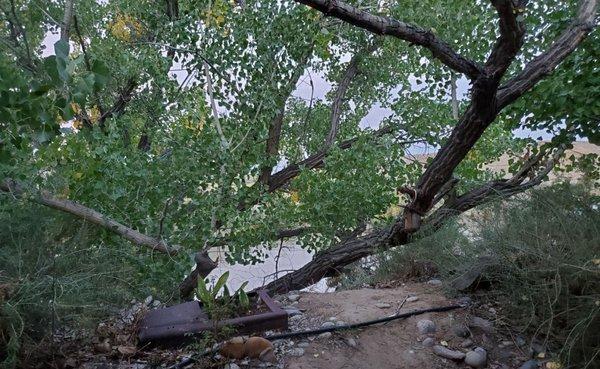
<point x="215" y="304"/>
<point x="546" y="247"/>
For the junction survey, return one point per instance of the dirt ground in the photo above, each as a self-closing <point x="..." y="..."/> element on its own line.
<point x="396" y="344"/>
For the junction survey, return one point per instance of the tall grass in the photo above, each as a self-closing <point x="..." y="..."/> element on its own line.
<point x="546" y="250"/>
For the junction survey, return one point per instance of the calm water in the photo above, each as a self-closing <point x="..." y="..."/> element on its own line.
<point x="291" y="258"/>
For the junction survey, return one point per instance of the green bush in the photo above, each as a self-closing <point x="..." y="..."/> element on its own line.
<point x="546" y="248"/>
<point x="56" y="273"/>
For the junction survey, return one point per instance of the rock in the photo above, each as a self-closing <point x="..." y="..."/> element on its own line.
<point x="447" y="353"/>
<point x="383" y="305"/>
<point x="127" y="350"/>
<point x="333" y="319"/>
<point x="476" y="358"/>
<point x="434" y="282"/>
<point x="148" y="300"/>
<point x="466" y="343"/>
<point x="328" y="325"/>
<point x="156" y="303"/>
<point x="325" y="335"/>
<point x="426" y="326"/>
<point x="293" y="297"/>
<point x="531" y="364"/>
<point x="340" y="323"/>
<point x="303" y="344"/>
<point x="465" y="301"/>
<point x="520" y="341"/>
<point x="506" y="343"/>
<point x="103" y="347"/>
<point x="292" y="311"/>
<point x="461" y="330"/>
<point x="412" y="299"/>
<point x="295" y="318"/>
<point x="296" y="351"/>
<point x="428" y="342"/>
<point x="483" y="324"/>
<point x="231" y="366"/>
<point x="351" y="342"/>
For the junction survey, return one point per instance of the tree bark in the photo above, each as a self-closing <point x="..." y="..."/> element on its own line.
<point x="44" y="198"/>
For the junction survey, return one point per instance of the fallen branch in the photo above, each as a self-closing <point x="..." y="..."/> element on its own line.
<point x="13" y="188"/>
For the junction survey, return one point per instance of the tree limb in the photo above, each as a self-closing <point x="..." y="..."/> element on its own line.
<point x="45" y="198"/>
<point x="65" y="28"/>
<point x="387" y="26"/>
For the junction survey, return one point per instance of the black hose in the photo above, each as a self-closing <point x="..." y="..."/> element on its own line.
<point x="312" y="332"/>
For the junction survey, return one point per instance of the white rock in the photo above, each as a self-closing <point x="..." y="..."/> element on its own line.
<point x="426" y="326"/>
<point x="293" y="297"/>
<point x="333" y="319"/>
<point x="476" y="358"/>
<point x="148" y="300"/>
<point x="447" y="353"/>
<point x="434" y="282"/>
<point x="328" y="325"/>
<point x="383" y="305"/>
<point x="412" y="299"/>
<point x="303" y="344"/>
<point x="325" y="335"/>
<point x="297" y="351"/>
<point x="340" y="323"/>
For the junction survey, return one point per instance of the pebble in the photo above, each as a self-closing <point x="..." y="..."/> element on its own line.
<point x="296" y="351"/>
<point x="328" y="325"/>
<point x="531" y="364"/>
<point x="428" y="342"/>
<point x="434" y="282"/>
<point x="412" y="299"/>
<point x="303" y="344"/>
<point x="383" y="305"/>
<point x="148" y="300"/>
<point x="506" y="343"/>
<point x="426" y="326"/>
<point x="465" y="300"/>
<point x="292" y="311"/>
<point x="520" y="341"/>
<point x="447" y="353"/>
<point x="460" y="330"/>
<point x="325" y="335"/>
<point x="333" y="319"/>
<point x="483" y="324"/>
<point x="340" y="323"/>
<point x="293" y="298"/>
<point x="476" y="358"/>
<point x="351" y="342"/>
<point x="466" y="343"/>
<point x="231" y="366"/>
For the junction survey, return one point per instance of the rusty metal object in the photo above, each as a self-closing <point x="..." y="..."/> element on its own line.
<point x="180" y="323"/>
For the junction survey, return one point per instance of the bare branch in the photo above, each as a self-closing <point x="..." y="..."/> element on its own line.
<point x="387" y="26"/>
<point x="44" y="198"/>
<point x="65" y="29"/>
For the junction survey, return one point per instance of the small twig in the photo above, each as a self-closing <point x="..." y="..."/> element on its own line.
<point x="162" y="219"/>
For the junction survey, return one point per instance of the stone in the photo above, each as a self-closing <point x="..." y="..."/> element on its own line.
<point x="476" y="358"/>
<point x="296" y="351"/>
<point x="447" y="353"/>
<point x="520" y="341"/>
<point x="328" y="325"/>
<point x="465" y="301"/>
<point x="293" y="297"/>
<point x="481" y="323"/>
<point x="303" y="344"/>
<point x="461" y="330"/>
<point x="231" y="366"/>
<point x="428" y="342"/>
<point x="333" y="319"/>
<point x="531" y="364"/>
<point x="506" y="343"/>
<point x="325" y="335"/>
<point x="434" y="282"/>
<point x="148" y="300"/>
<point x="340" y="323"/>
<point x="383" y="305"/>
<point x="466" y="343"/>
<point x="426" y="326"/>
<point x="412" y="299"/>
<point x="156" y="303"/>
<point x="296" y="318"/>
<point x="292" y="311"/>
<point x="351" y="342"/>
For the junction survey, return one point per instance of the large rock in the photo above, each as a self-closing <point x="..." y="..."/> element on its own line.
<point x="447" y="353"/>
<point x="426" y="326"/>
<point x="476" y="358"/>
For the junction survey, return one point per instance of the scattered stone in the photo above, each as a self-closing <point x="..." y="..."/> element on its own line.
<point x="434" y="282"/>
<point x="466" y="343"/>
<point x="531" y="364"/>
<point x="351" y="342"/>
<point x="476" y="358"/>
<point x="426" y="326"/>
<point x="296" y="351"/>
<point x="447" y="353"/>
<point x="340" y="323"/>
<point x="231" y="366"/>
<point x="303" y="344"/>
<point x="483" y="324"/>
<point x="461" y="330"/>
<point x="148" y="300"/>
<point x="156" y="303"/>
<point x="325" y="335"/>
<point x="293" y="297"/>
<point x="328" y="325"/>
<point x="428" y="342"/>
<point x="383" y="305"/>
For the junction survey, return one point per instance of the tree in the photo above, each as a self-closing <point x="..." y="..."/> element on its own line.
<point x="229" y="155"/>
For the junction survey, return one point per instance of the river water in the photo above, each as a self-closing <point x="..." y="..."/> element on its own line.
<point x="291" y="258"/>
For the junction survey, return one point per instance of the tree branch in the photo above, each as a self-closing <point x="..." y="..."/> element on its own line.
<point x="65" y="28"/>
<point x="387" y="26"/>
<point x="44" y="198"/>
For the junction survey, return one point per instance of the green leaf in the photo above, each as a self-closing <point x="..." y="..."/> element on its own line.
<point x="61" y="49"/>
<point x="220" y="283"/>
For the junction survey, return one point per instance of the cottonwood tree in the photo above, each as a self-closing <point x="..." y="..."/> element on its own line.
<point x="232" y="155"/>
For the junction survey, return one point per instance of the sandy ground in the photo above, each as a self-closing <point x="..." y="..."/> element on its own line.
<point x="396" y="344"/>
